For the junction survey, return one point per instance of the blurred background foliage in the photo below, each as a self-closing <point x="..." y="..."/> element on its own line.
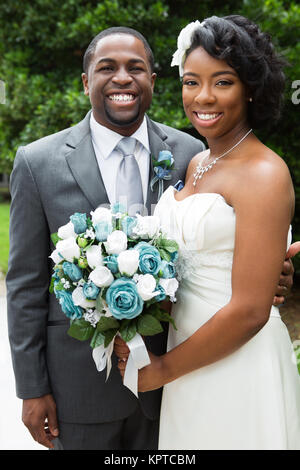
<point x="42" y="43"/>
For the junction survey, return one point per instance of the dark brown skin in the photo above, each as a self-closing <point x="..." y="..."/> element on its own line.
<point x="120" y="66"/>
<point x="211" y="86"/>
<point x="39" y="416"/>
<point x="129" y="71"/>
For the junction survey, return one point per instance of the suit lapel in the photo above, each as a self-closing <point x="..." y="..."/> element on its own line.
<point x="157" y="141"/>
<point x="83" y="164"/>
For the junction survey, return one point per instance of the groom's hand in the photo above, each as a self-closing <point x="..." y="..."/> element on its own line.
<point x="39" y="416"/>
<point x="286" y="277"/>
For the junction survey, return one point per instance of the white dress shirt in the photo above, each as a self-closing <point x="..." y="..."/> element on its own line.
<point x="104" y="143"/>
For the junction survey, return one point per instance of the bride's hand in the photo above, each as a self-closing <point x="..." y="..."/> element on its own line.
<point x="121" y="349"/>
<point x="286" y="278"/>
<point x="150" y="377"/>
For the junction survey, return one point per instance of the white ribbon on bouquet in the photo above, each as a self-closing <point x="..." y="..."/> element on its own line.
<point x="138" y="358"/>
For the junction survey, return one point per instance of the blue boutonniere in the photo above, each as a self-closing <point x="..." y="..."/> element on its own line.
<point x="162" y="168"/>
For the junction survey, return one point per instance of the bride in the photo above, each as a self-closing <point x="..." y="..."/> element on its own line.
<point x="229" y="378"/>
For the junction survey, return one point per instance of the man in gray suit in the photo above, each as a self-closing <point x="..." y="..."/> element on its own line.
<point x="72" y="171"/>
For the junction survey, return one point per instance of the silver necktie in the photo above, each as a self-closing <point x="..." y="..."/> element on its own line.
<point x="129" y="190"/>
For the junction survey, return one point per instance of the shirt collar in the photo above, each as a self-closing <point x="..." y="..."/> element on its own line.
<point x="106" y="140"/>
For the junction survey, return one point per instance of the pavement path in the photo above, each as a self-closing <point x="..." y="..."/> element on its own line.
<point x="13" y="434"/>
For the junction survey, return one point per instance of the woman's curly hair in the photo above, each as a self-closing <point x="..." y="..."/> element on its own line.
<point x="250" y="52"/>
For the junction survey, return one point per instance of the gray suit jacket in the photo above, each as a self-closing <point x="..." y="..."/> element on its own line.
<point x="52" y="178"/>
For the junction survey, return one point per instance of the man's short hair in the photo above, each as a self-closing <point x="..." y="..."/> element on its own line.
<point x="116" y="30"/>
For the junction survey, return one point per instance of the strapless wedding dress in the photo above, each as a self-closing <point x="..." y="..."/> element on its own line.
<point x="251" y="398"/>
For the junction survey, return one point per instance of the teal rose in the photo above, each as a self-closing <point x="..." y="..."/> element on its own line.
<point x="67" y="305"/>
<point x="90" y="290"/>
<point x="79" y="221"/>
<point x="102" y="230"/>
<point x="72" y="271"/>
<point x="150" y="259"/>
<point x="128" y="224"/>
<point x="118" y="208"/>
<point x="123" y="299"/>
<point x="162" y="294"/>
<point x="111" y="263"/>
<point x="167" y="269"/>
<point x="165" y="157"/>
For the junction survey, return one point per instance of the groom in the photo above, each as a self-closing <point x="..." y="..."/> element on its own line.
<point x="66" y="402"/>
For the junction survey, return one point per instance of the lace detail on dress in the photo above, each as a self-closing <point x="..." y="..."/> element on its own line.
<point x="190" y="260"/>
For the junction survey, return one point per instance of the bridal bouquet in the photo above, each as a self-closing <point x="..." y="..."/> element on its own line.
<point x="111" y="273"/>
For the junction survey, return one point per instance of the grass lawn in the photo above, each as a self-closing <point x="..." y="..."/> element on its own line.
<point x="4" y="241"/>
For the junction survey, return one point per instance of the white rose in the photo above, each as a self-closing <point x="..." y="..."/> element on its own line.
<point x="170" y="286"/>
<point x="146" y="287"/>
<point x="68" y="249"/>
<point x="94" y="256"/>
<point x="67" y="231"/>
<point x="56" y="258"/>
<point x="116" y="242"/>
<point x="79" y="299"/>
<point x="128" y="262"/>
<point x="147" y="227"/>
<point x="101" y="214"/>
<point x="101" y="276"/>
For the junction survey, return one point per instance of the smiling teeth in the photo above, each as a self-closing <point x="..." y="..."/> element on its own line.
<point x="207" y="117"/>
<point x="121" y="97"/>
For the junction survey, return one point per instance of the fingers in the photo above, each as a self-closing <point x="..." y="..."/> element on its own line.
<point x="52" y="422"/>
<point x="122" y="366"/>
<point x="121" y="349"/>
<point x="285" y="283"/>
<point x="281" y="291"/>
<point x="39" y="416"/>
<point x="288" y="268"/>
<point x="293" y="250"/>
<point x="277" y="301"/>
<point x="40" y="434"/>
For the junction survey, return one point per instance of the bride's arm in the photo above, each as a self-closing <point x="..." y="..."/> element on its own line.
<point x="264" y="207"/>
<point x="285" y="280"/>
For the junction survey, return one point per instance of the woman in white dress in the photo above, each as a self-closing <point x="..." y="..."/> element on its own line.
<point x="230" y="378"/>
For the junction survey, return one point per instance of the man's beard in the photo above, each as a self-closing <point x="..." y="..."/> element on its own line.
<point x="121" y="122"/>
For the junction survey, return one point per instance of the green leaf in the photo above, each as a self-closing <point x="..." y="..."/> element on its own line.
<point x="148" y="325"/>
<point x="89" y="222"/>
<point x="51" y="287"/>
<point x="128" y="329"/>
<point x="55" y="238"/>
<point x="162" y="315"/>
<point x="164" y="254"/>
<point x="169" y="245"/>
<point x="99" y="303"/>
<point x="106" y="323"/>
<point x="97" y="339"/>
<point x="109" y="335"/>
<point x="59" y="286"/>
<point x="81" y="329"/>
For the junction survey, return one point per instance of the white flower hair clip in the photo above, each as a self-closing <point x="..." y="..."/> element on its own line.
<point x="184" y="42"/>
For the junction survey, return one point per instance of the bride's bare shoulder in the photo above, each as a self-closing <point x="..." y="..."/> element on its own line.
<point x="194" y="162"/>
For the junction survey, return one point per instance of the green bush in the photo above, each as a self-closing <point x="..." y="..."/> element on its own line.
<point x="42" y="43"/>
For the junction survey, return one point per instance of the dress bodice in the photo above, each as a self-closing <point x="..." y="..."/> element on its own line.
<point x="203" y="225"/>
